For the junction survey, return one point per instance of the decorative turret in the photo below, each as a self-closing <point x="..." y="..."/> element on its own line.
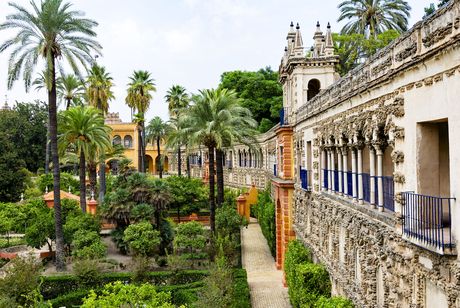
<point x="329" y="45"/>
<point x="319" y="38"/>
<point x="298" y="42"/>
<point x="5" y="106"/>
<point x="291" y="38"/>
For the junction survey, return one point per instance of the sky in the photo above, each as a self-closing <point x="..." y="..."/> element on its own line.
<point x="187" y="42"/>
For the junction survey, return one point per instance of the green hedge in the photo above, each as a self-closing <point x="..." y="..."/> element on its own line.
<point x="54" y="286"/>
<point x="309" y="284"/>
<point x="241" y="295"/>
<point x="264" y="211"/>
<point x="74" y="298"/>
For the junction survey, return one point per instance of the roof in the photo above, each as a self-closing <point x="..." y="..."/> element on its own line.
<point x="64" y="195"/>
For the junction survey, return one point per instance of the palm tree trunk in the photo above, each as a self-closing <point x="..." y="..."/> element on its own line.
<point x="82" y="182"/>
<point x="220" y="177"/>
<point x="187" y="162"/>
<point x="179" y="163"/>
<point x="92" y="177"/>
<point x="212" y="201"/>
<point x="47" y="150"/>
<point x="52" y="110"/>
<point x="67" y="107"/>
<point x="102" y="181"/>
<point x="143" y="147"/>
<point x="139" y="152"/>
<point x="160" y="167"/>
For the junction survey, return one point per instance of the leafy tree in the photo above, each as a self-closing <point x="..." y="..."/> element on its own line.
<point x="75" y="223"/>
<point x="175" y="139"/>
<point x="51" y="31"/>
<point x="41" y="229"/>
<point x="10" y="216"/>
<point x="188" y="195"/>
<point x="84" y="128"/>
<point x="260" y="92"/>
<point x="157" y="130"/>
<point x="374" y="16"/>
<point x="138" y="98"/>
<point x="189" y="237"/>
<point x="177" y="99"/>
<point x="218" y="290"/>
<point x="142" y="212"/>
<point x="118" y="294"/>
<point x="142" y="238"/>
<point x="12" y="174"/>
<point x="67" y="181"/>
<point x="88" y="245"/>
<point x="432" y="8"/>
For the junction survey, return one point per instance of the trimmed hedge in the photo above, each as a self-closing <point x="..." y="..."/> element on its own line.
<point x="264" y="211"/>
<point x="74" y="298"/>
<point x="54" y="286"/>
<point x="309" y="284"/>
<point x="241" y="294"/>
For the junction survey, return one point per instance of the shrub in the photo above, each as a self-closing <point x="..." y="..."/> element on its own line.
<point x="310" y="281"/>
<point x="142" y="238"/>
<point x="87" y="271"/>
<point x="88" y="245"/>
<point x="118" y="294"/>
<point x="334" y="302"/>
<point x="264" y="211"/>
<point x="241" y="297"/>
<point x="228" y="221"/>
<point x="78" y="222"/>
<point x="117" y="237"/>
<point x="67" y="179"/>
<point x="142" y="212"/>
<point x="167" y="235"/>
<point x="190" y="237"/>
<point x="74" y="298"/>
<point x="189" y="195"/>
<point x="21" y="281"/>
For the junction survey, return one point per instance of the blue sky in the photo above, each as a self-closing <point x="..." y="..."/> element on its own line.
<point x="188" y="42"/>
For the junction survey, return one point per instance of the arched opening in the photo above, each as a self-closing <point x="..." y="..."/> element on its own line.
<point x="314" y="86"/>
<point x="149" y="164"/>
<point x="116" y="140"/>
<point x="164" y="163"/>
<point x="113" y="166"/>
<point x="128" y="141"/>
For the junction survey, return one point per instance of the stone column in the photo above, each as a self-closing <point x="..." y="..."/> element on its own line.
<point x="323" y="167"/>
<point x="372" y="175"/>
<point x="379" y="177"/>
<point x="345" y="169"/>
<point x="329" y="167"/>
<point x="333" y="170"/>
<point x="353" y="170"/>
<point x="340" y="161"/>
<point x="360" y="175"/>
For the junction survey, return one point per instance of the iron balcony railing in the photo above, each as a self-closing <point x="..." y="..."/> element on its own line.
<point x="325" y="179"/>
<point x="284" y="116"/>
<point x="427" y="220"/>
<point x="350" y="183"/>
<point x="274" y="170"/>
<point x="304" y="179"/>
<point x="335" y="174"/>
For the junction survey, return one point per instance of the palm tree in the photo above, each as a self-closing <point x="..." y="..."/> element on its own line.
<point x="374" y="16"/>
<point x="138" y="98"/>
<point x="156" y="130"/>
<point x="175" y="139"/>
<point x="211" y="122"/>
<point x="84" y="128"/>
<point x="160" y="198"/>
<point x="99" y="93"/>
<point x="177" y="99"/>
<point x="52" y="31"/>
<point x="70" y="89"/>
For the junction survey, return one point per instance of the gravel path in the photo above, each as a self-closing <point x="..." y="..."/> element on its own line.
<point x="265" y="281"/>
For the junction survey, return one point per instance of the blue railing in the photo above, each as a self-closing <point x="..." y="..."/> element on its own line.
<point x="325" y="179"/>
<point x="335" y="174"/>
<point x="274" y="170"/>
<point x="350" y="183"/>
<point x="388" y="193"/>
<point x="366" y="187"/>
<point x="284" y="120"/>
<point x="304" y="179"/>
<point x="427" y="219"/>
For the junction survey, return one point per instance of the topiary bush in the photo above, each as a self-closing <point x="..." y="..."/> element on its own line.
<point x="333" y="302"/>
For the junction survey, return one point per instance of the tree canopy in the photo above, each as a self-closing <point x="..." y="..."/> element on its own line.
<point x="259" y="91"/>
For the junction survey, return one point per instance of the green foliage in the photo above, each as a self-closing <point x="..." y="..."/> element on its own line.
<point x="40" y="230"/>
<point x="78" y="222"/>
<point x="74" y="298"/>
<point x="142" y="212"/>
<point x="118" y="294"/>
<point x="87" y="271"/>
<point x="10" y="216"/>
<point x="355" y="48"/>
<point x="241" y="297"/>
<point x="333" y="302"/>
<point x="142" y="238"/>
<point x="432" y="8"/>
<point x="260" y="92"/>
<point x="188" y="195"/>
<point x="264" y="211"/>
<point x="21" y="281"/>
<point x="228" y="221"/>
<point x="88" y="245"/>
<point x="117" y="237"/>
<point x="167" y="235"/>
<point x="189" y="237"/>
<point x="218" y="290"/>
<point x="67" y="179"/>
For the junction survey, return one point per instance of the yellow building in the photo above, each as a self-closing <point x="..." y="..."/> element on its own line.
<point x="127" y="135"/>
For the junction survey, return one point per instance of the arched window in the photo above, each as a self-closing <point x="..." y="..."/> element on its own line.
<point x="116" y="140"/>
<point x="128" y="141"/>
<point x="314" y="86"/>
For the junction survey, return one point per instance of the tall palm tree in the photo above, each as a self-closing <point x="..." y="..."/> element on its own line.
<point x="52" y="31"/>
<point x="175" y="139"/>
<point x="210" y="121"/>
<point x="139" y="96"/>
<point x="99" y="92"/>
<point x="178" y="100"/>
<point x="159" y="197"/>
<point x="84" y="128"/>
<point x="156" y="130"/>
<point x="70" y="89"/>
<point x="374" y="16"/>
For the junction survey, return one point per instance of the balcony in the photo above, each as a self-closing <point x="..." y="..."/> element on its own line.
<point x="427" y="222"/>
<point x="284" y="116"/>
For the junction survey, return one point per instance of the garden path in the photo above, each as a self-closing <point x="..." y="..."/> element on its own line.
<point x="265" y="281"/>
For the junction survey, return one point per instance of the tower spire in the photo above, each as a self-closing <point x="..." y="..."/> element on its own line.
<point x="329" y="45"/>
